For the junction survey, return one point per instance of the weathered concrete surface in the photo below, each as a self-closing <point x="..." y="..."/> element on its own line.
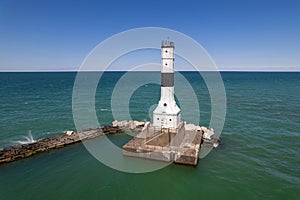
<point x="181" y="145"/>
<point x="185" y="153"/>
<point x="16" y="152"/>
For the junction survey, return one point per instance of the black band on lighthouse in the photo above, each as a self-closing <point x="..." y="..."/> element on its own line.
<point x="167" y="79"/>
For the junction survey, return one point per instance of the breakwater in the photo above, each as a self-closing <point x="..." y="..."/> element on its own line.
<point x="20" y="151"/>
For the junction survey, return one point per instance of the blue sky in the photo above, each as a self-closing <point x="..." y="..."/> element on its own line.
<point x="239" y="35"/>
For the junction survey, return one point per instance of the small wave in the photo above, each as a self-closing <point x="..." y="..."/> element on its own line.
<point x="104" y="109"/>
<point x="55" y="132"/>
<point x="24" y="142"/>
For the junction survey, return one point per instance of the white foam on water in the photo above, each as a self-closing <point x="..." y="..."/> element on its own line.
<point x="28" y="139"/>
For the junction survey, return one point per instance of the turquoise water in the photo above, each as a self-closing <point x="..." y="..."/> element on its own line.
<point x="258" y="157"/>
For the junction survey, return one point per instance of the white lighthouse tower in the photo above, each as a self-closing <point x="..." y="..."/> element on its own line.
<point x="167" y="113"/>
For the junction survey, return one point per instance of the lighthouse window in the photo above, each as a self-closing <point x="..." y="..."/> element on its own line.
<point x="165" y="104"/>
<point x="166" y="64"/>
<point x="166" y="51"/>
<point x="170" y="119"/>
<point x="157" y="118"/>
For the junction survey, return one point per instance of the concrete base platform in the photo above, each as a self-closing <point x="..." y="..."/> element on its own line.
<point x="171" y="145"/>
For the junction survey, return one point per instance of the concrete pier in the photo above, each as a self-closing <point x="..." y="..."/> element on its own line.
<point x="181" y="145"/>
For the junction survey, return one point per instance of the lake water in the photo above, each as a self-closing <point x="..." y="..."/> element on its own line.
<point x="258" y="157"/>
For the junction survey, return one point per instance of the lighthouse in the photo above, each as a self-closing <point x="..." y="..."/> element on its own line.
<point x="167" y="113"/>
<point x="168" y="138"/>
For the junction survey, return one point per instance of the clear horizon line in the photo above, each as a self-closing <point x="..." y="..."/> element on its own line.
<point x="231" y="70"/>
